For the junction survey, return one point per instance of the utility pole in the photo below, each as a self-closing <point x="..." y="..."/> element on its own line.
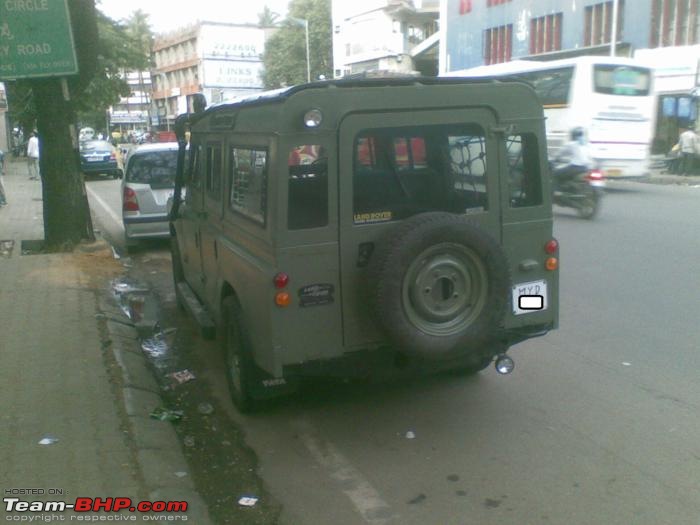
<point x="613" y="31"/>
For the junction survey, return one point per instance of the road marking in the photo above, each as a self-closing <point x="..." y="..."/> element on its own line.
<point x="102" y="203"/>
<point x="362" y="494"/>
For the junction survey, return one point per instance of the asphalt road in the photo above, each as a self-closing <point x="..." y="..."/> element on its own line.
<point x="599" y="423"/>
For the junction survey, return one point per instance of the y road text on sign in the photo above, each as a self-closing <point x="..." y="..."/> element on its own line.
<point x="36" y="39"/>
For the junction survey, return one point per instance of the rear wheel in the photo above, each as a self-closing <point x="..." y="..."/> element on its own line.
<point x="590" y="204"/>
<point x="236" y="346"/>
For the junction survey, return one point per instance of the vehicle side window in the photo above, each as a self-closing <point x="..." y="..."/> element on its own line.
<point x="214" y="166"/>
<point x="308" y="187"/>
<point x="399" y="172"/>
<point x="524" y="176"/>
<point x="249" y="183"/>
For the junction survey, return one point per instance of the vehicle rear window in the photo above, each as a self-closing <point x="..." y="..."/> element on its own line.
<point x="95" y="145"/>
<point x="399" y="172"/>
<point x="524" y="180"/>
<point x="308" y="187"/>
<point x="622" y="80"/>
<point x="156" y="168"/>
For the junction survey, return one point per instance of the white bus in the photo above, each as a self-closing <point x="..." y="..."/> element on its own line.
<point x="610" y="97"/>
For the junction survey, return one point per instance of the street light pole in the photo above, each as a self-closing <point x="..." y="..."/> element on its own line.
<point x="305" y="22"/>
<point x="308" y="61"/>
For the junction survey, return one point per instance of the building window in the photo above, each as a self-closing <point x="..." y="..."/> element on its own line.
<point x="545" y="34"/>
<point x="465" y="6"/>
<point x="674" y="23"/>
<point x="498" y="44"/>
<point x="598" y="23"/>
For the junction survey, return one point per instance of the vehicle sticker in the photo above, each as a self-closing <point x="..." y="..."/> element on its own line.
<point x="369" y="218"/>
<point x="316" y="295"/>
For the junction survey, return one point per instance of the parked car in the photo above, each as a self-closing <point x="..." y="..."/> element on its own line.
<point x="147" y="185"/>
<point x="99" y="156"/>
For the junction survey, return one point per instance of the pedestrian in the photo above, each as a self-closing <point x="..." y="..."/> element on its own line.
<point x="33" y="156"/>
<point x="687" y="142"/>
<point x="3" y="195"/>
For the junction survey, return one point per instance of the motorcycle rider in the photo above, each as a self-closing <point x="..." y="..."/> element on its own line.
<point x="573" y="158"/>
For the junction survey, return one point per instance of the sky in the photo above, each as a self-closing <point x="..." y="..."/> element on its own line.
<point x="167" y="15"/>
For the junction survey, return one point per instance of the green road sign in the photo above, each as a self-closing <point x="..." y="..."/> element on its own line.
<point x="36" y="39"/>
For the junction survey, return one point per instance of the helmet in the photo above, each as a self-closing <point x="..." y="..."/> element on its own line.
<point x="577" y="133"/>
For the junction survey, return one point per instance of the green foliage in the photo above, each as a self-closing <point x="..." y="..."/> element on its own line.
<point x="120" y="47"/>
<point x="267" y="18"/>
<point x="285" y="51"/>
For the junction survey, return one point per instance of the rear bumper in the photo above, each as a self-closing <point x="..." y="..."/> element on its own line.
<point x="99" y="167"/>
<point x="150" y="226"/>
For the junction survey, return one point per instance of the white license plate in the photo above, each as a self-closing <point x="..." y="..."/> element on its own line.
<point x="94" y="159"/>
<point x="529" y="297"/>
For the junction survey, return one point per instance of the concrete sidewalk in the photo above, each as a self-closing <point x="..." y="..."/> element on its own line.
<point x="73" y="376"/>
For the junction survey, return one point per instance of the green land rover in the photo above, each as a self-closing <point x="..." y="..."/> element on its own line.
<point x="343" y="227"/>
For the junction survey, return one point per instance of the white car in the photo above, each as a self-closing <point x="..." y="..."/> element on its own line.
<point x="148" y="183"/>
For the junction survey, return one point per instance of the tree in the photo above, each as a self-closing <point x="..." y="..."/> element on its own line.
<point x="102" y="56"/>
<point x="120" y="47"/>
<point x="285" y="51"/>
<point x="267" y="18"/>
<point x="66" y="212"/>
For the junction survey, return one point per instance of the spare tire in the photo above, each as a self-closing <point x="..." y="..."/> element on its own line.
<point x="439" y="286"/>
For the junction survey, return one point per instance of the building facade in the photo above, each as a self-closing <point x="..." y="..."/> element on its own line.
<point x="133" y="112"/>
<point x="662" y="34"/>
<point x="482" y="32"/>
<point x="220" y="60"/>
<point x="382" y="35"/>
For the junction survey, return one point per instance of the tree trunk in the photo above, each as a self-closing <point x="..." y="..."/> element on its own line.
<point x="66" y="211"/>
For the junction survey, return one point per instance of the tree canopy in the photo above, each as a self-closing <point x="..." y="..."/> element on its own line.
<point x="285" y="51"/>
<point x="119" y="47"/>
<point x="267" y="17"/>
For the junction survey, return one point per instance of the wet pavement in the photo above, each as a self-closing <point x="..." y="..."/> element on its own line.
<point x="223" y="468"/>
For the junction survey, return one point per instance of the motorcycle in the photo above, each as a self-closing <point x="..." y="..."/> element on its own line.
<point x="580" y="189"/>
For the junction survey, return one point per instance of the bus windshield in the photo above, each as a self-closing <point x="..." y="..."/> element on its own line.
<point x="621" y="80"/>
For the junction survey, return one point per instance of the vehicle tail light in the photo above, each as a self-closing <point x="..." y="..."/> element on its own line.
<point x="552" y="264"/>
<point x="129" y="201"/>
<point x="281" y="280"/>
<point x="595" y="175"/>
<point x="283" y="299"/>
<point x="551" y="247"/>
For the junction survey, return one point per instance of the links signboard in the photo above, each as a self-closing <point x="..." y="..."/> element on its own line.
<point x="36" y="39"/>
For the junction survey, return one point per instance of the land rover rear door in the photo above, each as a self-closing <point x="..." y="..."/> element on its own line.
<point x="393" y="165"/>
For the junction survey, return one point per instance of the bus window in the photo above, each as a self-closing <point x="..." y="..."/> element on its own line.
<point x="551" y="85"/>
<point x="621" y="80"/>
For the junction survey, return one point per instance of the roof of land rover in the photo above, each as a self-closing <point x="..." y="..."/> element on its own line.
<point x="282" y="94"/>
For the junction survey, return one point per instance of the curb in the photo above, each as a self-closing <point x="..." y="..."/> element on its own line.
<point x="157" y="447"/>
